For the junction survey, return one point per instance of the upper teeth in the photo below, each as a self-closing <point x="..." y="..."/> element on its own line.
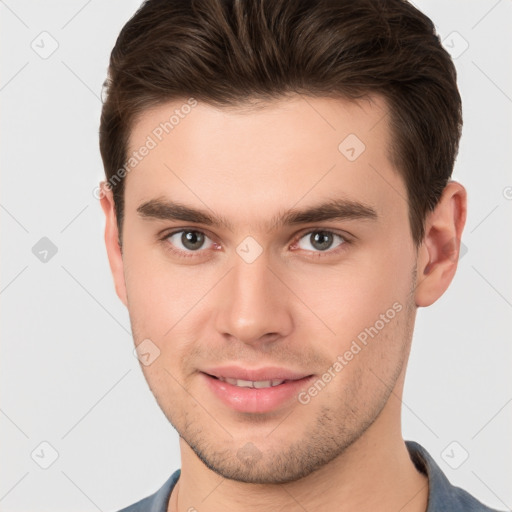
<point x="251" y="383"/>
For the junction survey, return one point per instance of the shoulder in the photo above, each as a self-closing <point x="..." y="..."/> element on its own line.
<point x="442" y="496"/>
<point x="462" y="500"/>
<point x="159" y="500"/>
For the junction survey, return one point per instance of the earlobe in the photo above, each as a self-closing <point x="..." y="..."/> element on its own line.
<point x="439" y="253"/>
<point x="114" y="254"/>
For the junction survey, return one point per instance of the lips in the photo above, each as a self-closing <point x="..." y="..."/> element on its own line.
<point x="254" y="375"/>
<point x="259" y="384"/>
<point x="256" y="391"/>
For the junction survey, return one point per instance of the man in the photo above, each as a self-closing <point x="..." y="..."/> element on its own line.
<point x="278" y="205"/>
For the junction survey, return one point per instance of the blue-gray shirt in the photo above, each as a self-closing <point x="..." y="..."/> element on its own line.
<point x="442" y="496"/>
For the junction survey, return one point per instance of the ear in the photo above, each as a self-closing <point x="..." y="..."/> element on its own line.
<point x="114" y="253"/>
<point x="438" y="254"/>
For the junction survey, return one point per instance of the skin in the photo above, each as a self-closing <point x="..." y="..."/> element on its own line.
<point x="296" y="306"/>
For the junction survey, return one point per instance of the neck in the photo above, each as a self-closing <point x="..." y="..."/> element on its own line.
<point x="374" y="473"/>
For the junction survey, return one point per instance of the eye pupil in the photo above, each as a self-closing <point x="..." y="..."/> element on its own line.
<point x="192" y="239"/>
<point x="321" y="240"/>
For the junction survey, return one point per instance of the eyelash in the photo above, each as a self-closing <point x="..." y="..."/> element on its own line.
<point x="316" y="254"/>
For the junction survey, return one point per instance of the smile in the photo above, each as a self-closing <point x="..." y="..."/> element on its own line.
<point x="258" y="384"/>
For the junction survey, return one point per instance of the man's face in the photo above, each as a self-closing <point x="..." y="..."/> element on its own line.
<point x="290" y="299"/>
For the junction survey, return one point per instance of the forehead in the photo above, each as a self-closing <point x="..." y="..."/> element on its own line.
<point x="261" y="159"/>
<point x="256" y="124"/>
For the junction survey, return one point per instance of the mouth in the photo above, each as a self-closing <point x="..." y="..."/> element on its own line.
<point x="263" y="391"/>
<point x="258" y="384"/>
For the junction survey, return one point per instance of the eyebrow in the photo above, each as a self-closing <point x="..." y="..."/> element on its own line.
<point x="335" y="209"/>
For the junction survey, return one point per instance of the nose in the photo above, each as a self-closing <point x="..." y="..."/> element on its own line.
<point x="252" y="304"/>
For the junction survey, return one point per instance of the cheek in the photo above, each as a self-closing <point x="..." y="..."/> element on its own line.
<point x="159" y="291"/>
<point x="347" y="298"/>
<point x="166" y="305"/>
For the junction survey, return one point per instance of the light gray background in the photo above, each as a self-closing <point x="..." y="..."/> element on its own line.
<point x="68" y="375"/>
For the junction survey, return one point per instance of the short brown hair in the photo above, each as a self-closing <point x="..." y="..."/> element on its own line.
<point x="229" y="53"/>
